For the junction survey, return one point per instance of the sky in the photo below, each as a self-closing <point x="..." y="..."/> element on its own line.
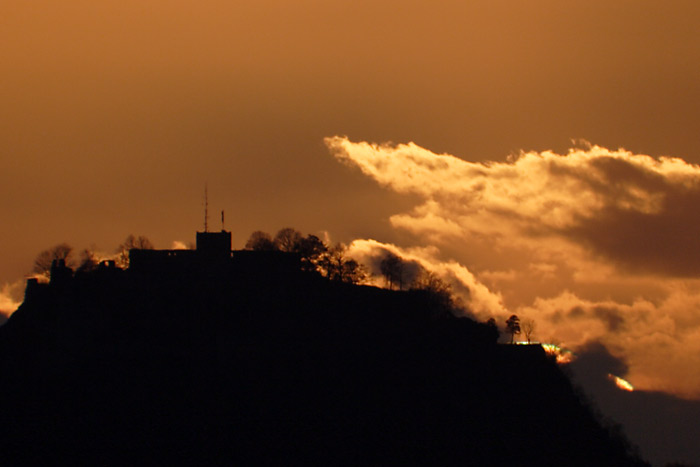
<point x="539" y="155"/>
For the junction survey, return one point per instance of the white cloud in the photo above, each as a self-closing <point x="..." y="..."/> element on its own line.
<point x="592" y="201"/>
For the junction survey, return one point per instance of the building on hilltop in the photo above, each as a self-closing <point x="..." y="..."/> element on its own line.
<point x="213" y="250"/>
<point x="214" y="244"/>
<point x="213" y="254"/>
<point x="211" y="257"/>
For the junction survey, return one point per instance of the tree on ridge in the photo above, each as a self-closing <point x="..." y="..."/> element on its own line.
<point x="131" y="243"/>
<point x="88" y="260"/>
<point x="260" y="241"/>
<point x="438" y="288"/>
<point x="528" y="328"/>
<point x="336" y="266"/>
<point x="287" y="239"/>
<point x="513" y="327"/>
<point x="392" y="270"/>
<point x="44" y="260"/>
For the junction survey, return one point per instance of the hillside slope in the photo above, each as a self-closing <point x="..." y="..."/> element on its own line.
<point x="262" y="367"/>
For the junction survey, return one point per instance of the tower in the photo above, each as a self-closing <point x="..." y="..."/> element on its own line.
<point x="206" y="208"/>
<point x="213" y="244"/>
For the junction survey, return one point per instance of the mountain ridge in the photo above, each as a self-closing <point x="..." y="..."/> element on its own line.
<point x="257" y="362"/>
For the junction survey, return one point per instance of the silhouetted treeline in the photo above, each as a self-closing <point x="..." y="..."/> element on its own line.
<point x="331" y="261"/>
<point x="265" y="366"/>
<point x="89" y="259"/>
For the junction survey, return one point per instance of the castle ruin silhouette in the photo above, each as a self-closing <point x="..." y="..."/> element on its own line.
<point x="212" y="257"/>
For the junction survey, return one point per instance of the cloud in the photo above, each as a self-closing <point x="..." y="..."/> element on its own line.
<point x="659" y="341"/>
<point x="10" y="299"/>
<point x="475" y="295"/>
<point x="632" y="210"/>
<point x="595" y="245"/>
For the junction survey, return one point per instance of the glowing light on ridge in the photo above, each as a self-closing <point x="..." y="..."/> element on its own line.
<point x="561" y="355"/>
<point x="621" y="383"/>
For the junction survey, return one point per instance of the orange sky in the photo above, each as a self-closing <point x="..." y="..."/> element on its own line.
<point x="115" y="114"/>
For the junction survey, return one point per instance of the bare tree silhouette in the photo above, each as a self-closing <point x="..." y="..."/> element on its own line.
<point x="43" y="261"/>
<point x="287" y="239"/>
<point x="528" y="328"/>
<point x="392" y="270"/>
<point x="337" y="267"/>
<point x="438" y="288"/>
<point x="88" y="260"/>
<point x="131" y="242"/>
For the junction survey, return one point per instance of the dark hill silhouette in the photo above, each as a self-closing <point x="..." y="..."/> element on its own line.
<point x="256" y="363"/>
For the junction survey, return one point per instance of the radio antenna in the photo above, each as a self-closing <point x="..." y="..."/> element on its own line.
<point x="222" y="220"/>
<point x="206" y="208"/>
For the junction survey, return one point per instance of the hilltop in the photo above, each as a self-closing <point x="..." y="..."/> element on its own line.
<point x="212" y="357"/>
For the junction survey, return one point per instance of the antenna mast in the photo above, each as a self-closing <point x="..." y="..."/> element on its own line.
<point x="206" y="208"/>
<point x="222" y="220"/>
